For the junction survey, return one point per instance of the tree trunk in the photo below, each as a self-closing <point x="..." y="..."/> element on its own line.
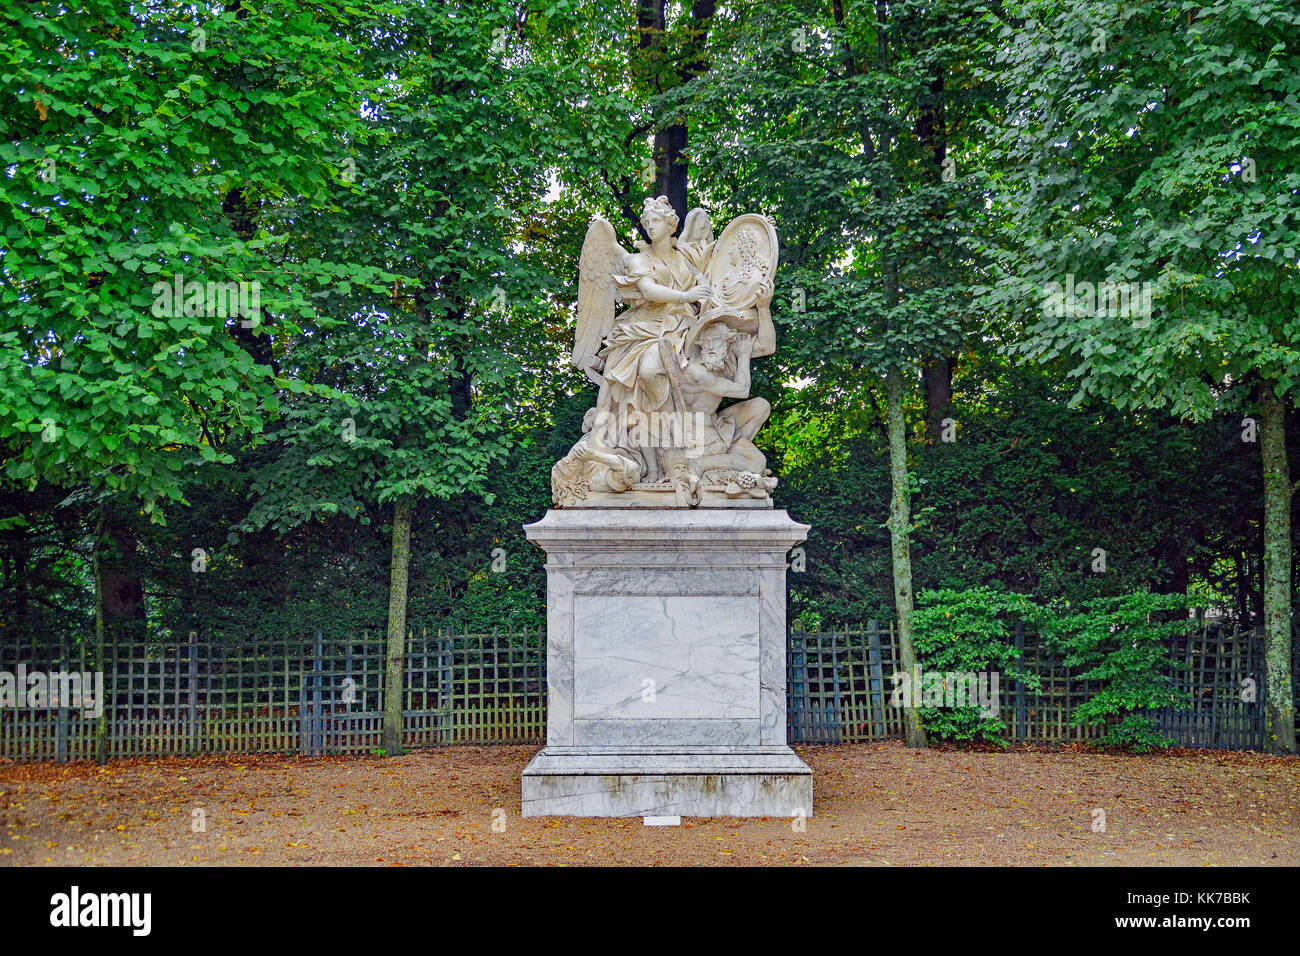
<point x="900" y="498"/>
<point x="900" y="543"/>
<point x="1279" y="711"/>
<point x="938" y="394"/>
<point x="932" y="132"/>
<point x="121" y="584"/>
<point x="672" y="165"/>
<point x="395" y="672"/>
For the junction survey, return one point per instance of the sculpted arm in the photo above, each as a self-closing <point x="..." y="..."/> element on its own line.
<point x="714" y="384"/>
<point x="765" y="343"/>
<point x="743" y="349"/>
<point x="661" y="293"/>
<point x="723" y="387"/>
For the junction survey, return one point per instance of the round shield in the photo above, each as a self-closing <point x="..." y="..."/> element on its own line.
<point x="743" y="265"/>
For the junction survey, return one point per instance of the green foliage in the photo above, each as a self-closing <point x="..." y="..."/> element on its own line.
<point x="970" y="632"/>
<point x="128" y="147"/>
<point x="44" y="565"/>
<point x="1155" y="145"/>
<point x="838" y="142"/>
<point x="425" y="371"/>
<point x="384" y="171"/>
<point x="1023" y="497"/>
<point x="1137" y="733"/>
<point x="1166" y="155"/>
<point x="1122" y="642"/>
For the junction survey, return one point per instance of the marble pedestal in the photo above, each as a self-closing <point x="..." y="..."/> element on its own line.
<point x="666" y="664"/>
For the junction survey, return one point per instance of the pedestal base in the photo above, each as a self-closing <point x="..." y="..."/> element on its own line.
<point x="666" y="657"/>
<point x="699" y="782"/>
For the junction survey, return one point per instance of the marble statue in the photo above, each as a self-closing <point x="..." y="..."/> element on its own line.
<point x="665" y="557"/>
<point x="696" y="313"/>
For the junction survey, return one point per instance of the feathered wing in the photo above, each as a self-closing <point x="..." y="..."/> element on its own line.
<point x="697" y="228"/>
<point x="597" y="295"/>
<point x="696" y="239"/>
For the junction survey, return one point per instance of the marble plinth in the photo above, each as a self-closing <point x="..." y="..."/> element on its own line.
<point x="666" y="665"/>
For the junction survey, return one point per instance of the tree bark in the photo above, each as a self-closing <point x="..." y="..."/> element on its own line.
<point x="932" y="133"/>
<point x="900" y="544"/>
<point x="122" y="587"/>
<point x="938" y="394"/>
<point x="672" y="165"/>
<point x="900" y="499"/>
<point x="1279" y="705"/>
<point x="395" y="671"/>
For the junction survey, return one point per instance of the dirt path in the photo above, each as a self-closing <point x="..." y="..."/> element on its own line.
<point x="876" y="804"/>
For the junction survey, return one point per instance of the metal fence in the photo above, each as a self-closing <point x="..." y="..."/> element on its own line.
<point x="314" y="695"/>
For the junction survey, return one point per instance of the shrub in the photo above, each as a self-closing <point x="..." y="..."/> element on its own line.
<point x="970" y="631"/>
<point x="1123" y="643"/>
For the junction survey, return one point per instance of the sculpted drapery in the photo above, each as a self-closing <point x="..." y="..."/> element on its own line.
<point x="697" y="311"/>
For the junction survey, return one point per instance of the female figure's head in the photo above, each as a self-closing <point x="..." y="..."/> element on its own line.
<point x="658" y="218"/>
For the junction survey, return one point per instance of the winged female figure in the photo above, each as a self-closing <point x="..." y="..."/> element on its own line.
<point x="634" y="356"/>
<point x="661" y="283"/>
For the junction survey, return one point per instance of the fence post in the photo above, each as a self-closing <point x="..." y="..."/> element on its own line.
<point x="833" y="719"/>
<point x="304" y="734"/>
<point x="192" y="698"/>
<point x="317" y="711"/>
<point x="306" y="730"/>
<point x="875" y="683"/>
<point x="446" y="690"/>
<point x="61" y="732"/>
<point x="349" y="734"/>
<point x="1018" y="733"/>
<point x="1261" y="691"/>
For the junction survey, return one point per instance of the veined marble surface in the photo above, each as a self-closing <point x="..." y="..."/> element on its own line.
<point x="665" y="657"/>
<point x="666" y="640"/>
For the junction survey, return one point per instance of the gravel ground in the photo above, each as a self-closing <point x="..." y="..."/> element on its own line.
<point x="875" y="804"/>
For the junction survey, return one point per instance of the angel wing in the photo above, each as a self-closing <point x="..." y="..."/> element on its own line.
<point x="698" y="227"/>
<point x="597" y="294"/>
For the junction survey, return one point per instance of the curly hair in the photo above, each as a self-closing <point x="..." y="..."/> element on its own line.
<point x="660" y="206"/>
